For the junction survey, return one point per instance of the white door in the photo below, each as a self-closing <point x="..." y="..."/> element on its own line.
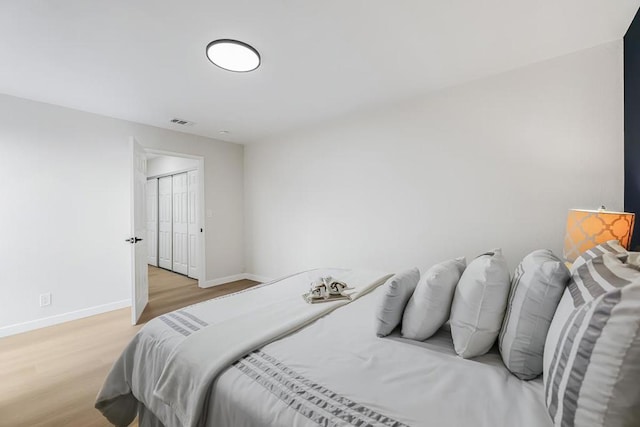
<point x="140" y="288"/>
<point x="180" y="224"/>
<point x="193" y="226"/>
<point x="164" y="223"/>
<point x="152" y="221"/>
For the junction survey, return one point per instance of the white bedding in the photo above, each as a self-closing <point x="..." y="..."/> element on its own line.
<point x="337" y="372"/>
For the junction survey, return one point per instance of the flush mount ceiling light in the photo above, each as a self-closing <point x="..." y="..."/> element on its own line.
<point x="233" y="55"/>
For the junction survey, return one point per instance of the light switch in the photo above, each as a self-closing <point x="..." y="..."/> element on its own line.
<point x="209" y="213"/>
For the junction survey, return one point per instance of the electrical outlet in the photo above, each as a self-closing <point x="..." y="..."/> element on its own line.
<point x="45" y="299"/>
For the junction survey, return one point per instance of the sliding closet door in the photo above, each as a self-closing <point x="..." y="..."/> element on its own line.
<point x="180" y="224"/>
<point x="152" y="221"/>
<point x="194" y="225"/>
<point x="164" y="223"/>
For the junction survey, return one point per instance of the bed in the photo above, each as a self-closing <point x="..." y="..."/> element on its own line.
<point x="328" y="368"/>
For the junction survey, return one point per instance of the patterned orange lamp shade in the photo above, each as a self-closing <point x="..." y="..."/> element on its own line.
<point x="586" y="229"/>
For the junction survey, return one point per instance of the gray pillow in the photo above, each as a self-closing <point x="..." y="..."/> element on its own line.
<point x="593" y="376"/>
<point x="479" y="303"/>
<point x="537" y="286"/>
<point x="430" y="306"/>
<point x="397" y="292"/>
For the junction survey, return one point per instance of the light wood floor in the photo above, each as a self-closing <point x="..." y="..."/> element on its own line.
<point x="51" y="376"/>
<point x="170" y="291"/>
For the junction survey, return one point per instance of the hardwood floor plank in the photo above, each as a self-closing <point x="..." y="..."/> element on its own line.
<point x="50" y="377"/>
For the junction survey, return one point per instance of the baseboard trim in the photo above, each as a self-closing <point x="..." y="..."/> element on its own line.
<point x="19" y="328"/>
<point x="223" y="280"/>
<point x="257" y="278"/>
<point x="234" y="278"/>
<point x="31" y="325"/>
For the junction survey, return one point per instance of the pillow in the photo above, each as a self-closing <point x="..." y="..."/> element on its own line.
<point x="397" y="291"/>
<point x="537" y="287"/>
<point x="577" y="285"/>
<point x="633" y="259"/>
<point x="592" y="379"/>
<point x="612" y="246"/>
<point x="479" y="303"/>
<point x="429" y="307"/>
<point x="599" y="275"/>
<point x="562" y="314"/>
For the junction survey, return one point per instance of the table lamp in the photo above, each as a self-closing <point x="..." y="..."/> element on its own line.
<point x="589" y="228"/>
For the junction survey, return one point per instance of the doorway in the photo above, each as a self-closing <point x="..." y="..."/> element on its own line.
<point x="174" y="213"/>
<point x="173" y="227"/>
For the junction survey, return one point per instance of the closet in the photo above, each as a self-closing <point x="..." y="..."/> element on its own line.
<point x="172" y="222"/>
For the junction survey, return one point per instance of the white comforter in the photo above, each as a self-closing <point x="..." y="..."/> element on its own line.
<point x="171" y="363"/>
<point x="337" y="372"/>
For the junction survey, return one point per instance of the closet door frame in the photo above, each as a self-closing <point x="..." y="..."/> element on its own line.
<point x="193" y="226"/>
<point x="200" y="204"/>
<point x="180" y="217"/>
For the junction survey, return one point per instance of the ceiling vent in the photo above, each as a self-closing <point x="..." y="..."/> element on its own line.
<point x="182" y="122"/>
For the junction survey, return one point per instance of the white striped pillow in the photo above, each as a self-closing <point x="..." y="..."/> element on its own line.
<point x="611" y="246"/>
<point x="599" y="275"/>
<point x="593" y="377"/>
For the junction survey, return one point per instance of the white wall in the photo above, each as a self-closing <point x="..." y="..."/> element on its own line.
<point x="64" y="182"/>
<point x="163" y="165"/>
<point x="493" y="163"/>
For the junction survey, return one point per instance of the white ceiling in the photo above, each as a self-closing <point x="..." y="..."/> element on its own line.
<point x="144" y="60"/>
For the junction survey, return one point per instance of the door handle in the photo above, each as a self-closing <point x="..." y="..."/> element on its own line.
<point x="133" y="240"/>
